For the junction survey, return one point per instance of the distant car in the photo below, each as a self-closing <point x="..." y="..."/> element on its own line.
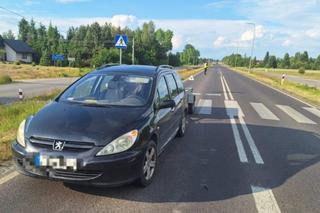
<point x="107" y="128"/>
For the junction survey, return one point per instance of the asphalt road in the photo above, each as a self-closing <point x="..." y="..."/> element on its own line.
<point x="247" y="148"/>
<point x="31" y="88"/>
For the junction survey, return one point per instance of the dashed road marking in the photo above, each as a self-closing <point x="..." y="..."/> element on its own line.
<point x="297" y="116"/>
<point x="264" y="112"/>
<point x="204" y="107"/>
<point x="313" y="110"/>
<point x="213" y="94"/>
<point x="264" y="200"/>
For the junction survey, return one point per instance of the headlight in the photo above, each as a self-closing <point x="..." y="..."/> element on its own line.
<point x="20" y="134"/>
<point x="120" y="144"/>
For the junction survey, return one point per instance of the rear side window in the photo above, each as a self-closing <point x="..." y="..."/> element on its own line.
<point x="179" y="82"/>
<point x="173" y="88"/>
<point x="163" y="93"/>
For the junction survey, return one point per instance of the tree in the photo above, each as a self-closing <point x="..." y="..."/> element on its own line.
<point x="266" y="59"/>
<point x="286" y="61"/>
<point x="272" y="63"/>
<point x="189" y="55"/>
<point x="8" y="35"/>
<point x="105" y="56"/>
<point x="23" y="30"/>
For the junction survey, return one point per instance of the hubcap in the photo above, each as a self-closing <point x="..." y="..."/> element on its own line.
<point x="149" y="163"/>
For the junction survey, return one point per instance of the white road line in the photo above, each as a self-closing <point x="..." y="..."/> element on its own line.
<point x="204" y="107"/>
<point x="313" y="110"/>
<point x="264" y="112"/>
<point x="8" y="177"/>
<point x="228" y="89"/>
<point x="233" y="109"/>
<point x="224" y="89"/>
<point x="213" y="94"/>
<point x="265" y="200"/>
<point x="196" y="93"/>
<point x="255" y="152"/>
<point x="297" y="116"/>
<point x="241" y="152"/>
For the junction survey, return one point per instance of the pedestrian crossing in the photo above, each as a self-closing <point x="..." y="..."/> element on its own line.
<point x="303" y="115"/>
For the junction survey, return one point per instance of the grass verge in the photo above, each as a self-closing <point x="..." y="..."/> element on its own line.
<point x="12" y="115"/>
<point x="303" y="92"/>
<point x="5" y="79"/>
<point x="185" y="73"/>
<point x="27" y="71"/>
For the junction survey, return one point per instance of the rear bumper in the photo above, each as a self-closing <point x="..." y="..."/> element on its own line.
<point x="110" y="170"/>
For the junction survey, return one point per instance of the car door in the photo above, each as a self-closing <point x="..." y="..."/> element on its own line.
<point x="163" y="116"/>
<point x="175" y="95"/>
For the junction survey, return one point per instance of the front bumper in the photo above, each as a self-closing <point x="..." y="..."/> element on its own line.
<point x="109" y="170"/>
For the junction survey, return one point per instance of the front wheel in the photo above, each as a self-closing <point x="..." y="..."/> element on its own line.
<point x="149" y="165"/>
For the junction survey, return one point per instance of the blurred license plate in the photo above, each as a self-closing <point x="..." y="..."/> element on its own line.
<point x="41" y="161"/>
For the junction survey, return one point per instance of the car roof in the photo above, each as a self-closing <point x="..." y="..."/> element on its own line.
<point x="134" y="69"/>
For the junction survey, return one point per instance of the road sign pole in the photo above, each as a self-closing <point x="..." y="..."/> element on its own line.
<point x="120" y="56"/>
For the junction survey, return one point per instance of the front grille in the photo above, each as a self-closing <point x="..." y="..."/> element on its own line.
<point x="80" y="175"/>
<point x="47" y="143"/>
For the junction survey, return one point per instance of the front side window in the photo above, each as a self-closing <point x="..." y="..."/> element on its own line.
<point x="110" y="89"/>
<point x="163" y="93"/>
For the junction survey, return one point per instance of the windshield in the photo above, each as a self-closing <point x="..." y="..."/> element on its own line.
<point x="110" y="89"/>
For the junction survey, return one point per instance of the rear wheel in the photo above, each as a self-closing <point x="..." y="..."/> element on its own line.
<point x="190" y="108"/>
<point x="149" y="165"/>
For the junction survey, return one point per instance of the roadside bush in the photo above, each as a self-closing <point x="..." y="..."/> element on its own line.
<point x="17" y="63"/>
<point x="34" y="64"/>
<point x="5" y="79"/>
<point x="302" y="70"/>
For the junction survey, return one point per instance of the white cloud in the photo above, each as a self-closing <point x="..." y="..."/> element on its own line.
<point x="219" y="42"/>
<point x="248" y="35"/>
<point x="313" y="33"/>
<point x="124" y="21"/>
<point x="177" y="41"/>
<point x="287" y="43"/>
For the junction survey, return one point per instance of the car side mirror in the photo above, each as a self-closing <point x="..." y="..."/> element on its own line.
<point x="167" y="104"/>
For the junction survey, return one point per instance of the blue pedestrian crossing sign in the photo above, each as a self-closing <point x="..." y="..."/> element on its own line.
<point x="121" y="41"/>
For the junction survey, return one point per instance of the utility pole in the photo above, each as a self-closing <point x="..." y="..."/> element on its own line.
<point x="252" y="46"/>
<point x="133" y="51"/>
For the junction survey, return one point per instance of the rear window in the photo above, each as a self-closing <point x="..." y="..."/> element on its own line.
<point x="172" y="85"/>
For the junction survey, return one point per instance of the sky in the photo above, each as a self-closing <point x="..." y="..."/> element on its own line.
<point x="215" y="27"/>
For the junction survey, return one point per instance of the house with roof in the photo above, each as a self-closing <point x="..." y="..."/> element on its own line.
<point x="16" y="50"/>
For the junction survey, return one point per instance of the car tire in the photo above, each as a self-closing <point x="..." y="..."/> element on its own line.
<point x="182" y="126"/>
<point x="190" y="108"/>
<point x="149" y="161"/>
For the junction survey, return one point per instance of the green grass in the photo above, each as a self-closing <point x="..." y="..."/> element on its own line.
<point x="185" y="73"/>
<point x="12" y="115"/>
<point x="304" y="92"/>
<point x="28" y="71"/>
<point x="309" y="74"/>
<point x="5" y="79"/>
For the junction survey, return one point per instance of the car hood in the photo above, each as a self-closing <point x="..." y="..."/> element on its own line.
<point x="73" y="122"/>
